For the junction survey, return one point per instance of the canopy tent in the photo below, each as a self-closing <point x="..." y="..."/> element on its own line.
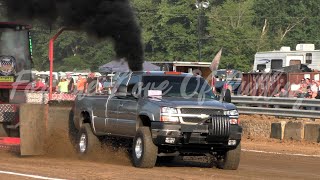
<point x="122" y="66"/>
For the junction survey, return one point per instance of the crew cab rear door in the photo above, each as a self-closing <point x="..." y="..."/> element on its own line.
<point x="112" y="108"/>
<point x="98" y="109"/>
<point x="127" y="111"/>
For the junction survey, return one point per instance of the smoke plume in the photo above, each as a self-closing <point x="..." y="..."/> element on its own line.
<point x="101" y="18"/>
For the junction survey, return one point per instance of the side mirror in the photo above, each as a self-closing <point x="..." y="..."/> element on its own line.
<point x="122" y="91"/>
<point x="227" y="96"/>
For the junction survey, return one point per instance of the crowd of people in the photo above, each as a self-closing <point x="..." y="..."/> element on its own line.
<point x="68" y="85"/>
<point x="307" y="89"/>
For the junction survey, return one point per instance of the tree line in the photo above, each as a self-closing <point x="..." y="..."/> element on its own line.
<point x="177" y="30"/>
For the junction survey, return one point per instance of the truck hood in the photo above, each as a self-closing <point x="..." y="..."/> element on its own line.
<point x="192" y="102"/>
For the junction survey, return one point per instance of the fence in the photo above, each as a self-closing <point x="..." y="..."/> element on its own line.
<point x="275" y="106"/>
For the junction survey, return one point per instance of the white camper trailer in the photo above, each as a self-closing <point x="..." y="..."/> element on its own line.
<point x="272" y="60"/>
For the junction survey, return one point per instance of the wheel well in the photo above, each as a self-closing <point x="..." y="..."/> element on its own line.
<point x="144" y="121"/>
<point x="85" y="117"/>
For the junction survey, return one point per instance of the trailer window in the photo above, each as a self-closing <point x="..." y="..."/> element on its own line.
<point x="276" y="63"/>
<point x="261" y="67"/>
<point x="309" y="58"/>
<point x="294" y="62"/>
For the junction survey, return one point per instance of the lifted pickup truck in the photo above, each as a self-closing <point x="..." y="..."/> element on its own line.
<point x="166" y="114"/>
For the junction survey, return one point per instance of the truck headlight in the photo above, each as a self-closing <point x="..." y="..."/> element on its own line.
<point x="169" y="114"/>
<point x="169" y="110"/>
<point x="234" y="116"/>
<point x="231" y="113"/>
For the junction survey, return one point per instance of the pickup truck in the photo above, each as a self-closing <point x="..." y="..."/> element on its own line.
<point x="163" y="114"/>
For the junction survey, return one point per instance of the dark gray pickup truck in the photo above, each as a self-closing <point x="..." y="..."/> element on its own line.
<point x="165" y="114"/>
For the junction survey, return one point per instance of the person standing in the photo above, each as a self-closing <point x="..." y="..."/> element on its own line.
<point x="63" y="85"/>
<point x="70" y="84"/>
<point x="91" y="85"/>
<point x="81" y="84"/>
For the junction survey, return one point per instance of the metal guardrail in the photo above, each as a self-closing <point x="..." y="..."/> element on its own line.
<point x="276" y="106"/>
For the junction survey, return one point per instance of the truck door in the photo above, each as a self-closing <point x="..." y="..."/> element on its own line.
<point x="99" y="118"/>
<point x="112" y="107"/>
<point x="127" y="111"/>
<point x="112" y="114"/>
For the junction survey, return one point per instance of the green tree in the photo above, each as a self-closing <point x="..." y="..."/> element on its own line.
<point x="72" y="50"/>
<point x="288" y="22"/>
<point x="230" y="28"/>
<point x="169" y="29"/>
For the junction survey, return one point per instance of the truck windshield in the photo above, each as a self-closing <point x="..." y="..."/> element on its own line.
<point x="178" y="86"/>
<point x="15" y="43"/>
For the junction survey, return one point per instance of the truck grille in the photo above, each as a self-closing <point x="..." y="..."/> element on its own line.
<point x="198" y="111"/>
<point x="201" y="111"/>
<point x="220" y="126"/>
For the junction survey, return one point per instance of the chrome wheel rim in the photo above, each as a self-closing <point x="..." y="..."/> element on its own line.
<point x="83" y="143"/>
<point x="138" y="148"/>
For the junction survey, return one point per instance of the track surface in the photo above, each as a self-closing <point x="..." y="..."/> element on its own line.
<point x="116" y="166"/>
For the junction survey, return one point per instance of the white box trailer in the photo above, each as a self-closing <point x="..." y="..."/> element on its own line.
<point x="272" y="60"/>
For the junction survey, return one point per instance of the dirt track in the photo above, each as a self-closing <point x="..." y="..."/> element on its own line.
<point x="116" y="165"/>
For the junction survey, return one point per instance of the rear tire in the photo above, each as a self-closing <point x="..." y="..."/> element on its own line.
<point x="231" y="159"/>
<point x="144" y="151"/>
<point x="87" y="141"/>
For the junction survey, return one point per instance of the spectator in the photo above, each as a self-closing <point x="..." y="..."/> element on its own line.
<point x="70" y="83"/>
<point x="63" y="85"/>
<point x="283" y="92"/>
<point x="318" y="94"/>
<point x="39" y="84"/>
<point x="54" y="82"/>
<point x="308" y="82"/>
<point x="107" y="85"/>
<point x="91" y="85"/>
<point x="303" y="89"/>
<point x="81" y="84"/>
<point x="314" y="86"/>
<point x="100" y="86"/>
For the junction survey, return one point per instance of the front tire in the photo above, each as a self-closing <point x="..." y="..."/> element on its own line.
<point x="87" y="141"/>
<point x="231" y="159"/>
<point x="144" y="151"/>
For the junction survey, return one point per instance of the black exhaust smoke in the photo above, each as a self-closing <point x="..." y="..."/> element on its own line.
<point x="101" y="18"/>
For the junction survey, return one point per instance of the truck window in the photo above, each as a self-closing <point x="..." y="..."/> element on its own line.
<point x="178" y="86"/>
<point x="276" y="63"/>
<point x="134" y="80"/>
<point x="123" y="79"/>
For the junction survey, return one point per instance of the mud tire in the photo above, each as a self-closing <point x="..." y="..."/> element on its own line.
<point x="144" y="151"/>
<point x="87" y="142"/>
<point x="231" y="159"/>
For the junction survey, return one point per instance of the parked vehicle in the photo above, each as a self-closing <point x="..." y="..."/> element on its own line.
<point x="274" y="60"/>
<point x="230" y="78"/>
<point x="164" y="114"/>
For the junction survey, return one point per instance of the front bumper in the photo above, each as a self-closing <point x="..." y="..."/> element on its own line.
<point x="194" y="136"/>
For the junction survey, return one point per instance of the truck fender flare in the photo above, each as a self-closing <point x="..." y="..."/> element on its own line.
<point x="148" y="114"/>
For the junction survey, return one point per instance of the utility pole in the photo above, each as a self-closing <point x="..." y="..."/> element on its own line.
<point x="200" y="5"/>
